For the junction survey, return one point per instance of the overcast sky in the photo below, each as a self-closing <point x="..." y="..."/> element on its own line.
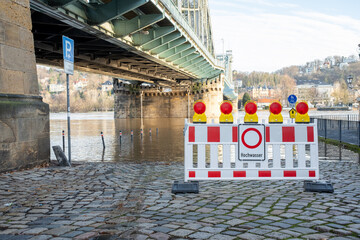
<point x="266" y="35"/>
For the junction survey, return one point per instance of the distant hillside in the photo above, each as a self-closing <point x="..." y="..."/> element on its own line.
<point x="85" y="90"/>
<point x="333" y="75"/>
<point x="330" y="75"/>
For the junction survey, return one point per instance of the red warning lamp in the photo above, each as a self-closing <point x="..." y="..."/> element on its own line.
<point x="226" y="112"/>
<point x="302" y="115"/>
<point x="275" y="108"/>
<point x="251" y="116"/>
<point x="302" y="108"/>
<point x="199" y="115"/>
<point x="275" y="113"/>
<point x="226" y="108"/>
<point x="250" y="108"/>
<point x="199" y="107"/>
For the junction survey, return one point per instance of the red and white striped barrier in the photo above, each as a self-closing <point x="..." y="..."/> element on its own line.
<point x="211" y="153"/>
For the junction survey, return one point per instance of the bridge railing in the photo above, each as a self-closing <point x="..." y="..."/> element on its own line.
<point x="177" y="15"/>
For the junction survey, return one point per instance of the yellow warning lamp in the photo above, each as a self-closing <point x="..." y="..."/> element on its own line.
<point x="275" y="113"/>
<point x="292" y="113"/>
<point x="302" y="115"/>
<point x="251" y="116"/>
<point x="226" y="112"/>
<point x="199" y="115"/>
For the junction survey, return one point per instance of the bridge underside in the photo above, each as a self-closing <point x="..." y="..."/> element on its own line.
<point x="95" y="54"/>
<point x="141" y="40"/>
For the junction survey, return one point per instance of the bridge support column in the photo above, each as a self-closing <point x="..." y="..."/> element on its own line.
<point x="24" y="118"/>
<point x="150" y="102"/>
<point x="133" y="101"/>
<point x="212" y="94"/>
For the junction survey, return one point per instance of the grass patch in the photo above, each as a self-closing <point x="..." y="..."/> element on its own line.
<point x="348" y="146"/>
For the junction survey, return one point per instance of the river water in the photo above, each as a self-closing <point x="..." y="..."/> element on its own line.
<point x="166" y="146"/>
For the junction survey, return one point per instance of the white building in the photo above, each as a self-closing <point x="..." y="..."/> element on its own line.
<point x="315" y="92"/>
<point x="56" y="88"/>
<point x="343" y="65"/>
<point x="324" y="90"/>
<point x="106" y="86"/>
<point x="80" y="84"/>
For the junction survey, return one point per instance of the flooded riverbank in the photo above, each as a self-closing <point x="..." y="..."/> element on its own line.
<point x="166" y="146"/>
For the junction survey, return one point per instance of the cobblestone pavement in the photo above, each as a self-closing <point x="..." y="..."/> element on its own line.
<point x="329" y="151"/>
<point x="133" y="201"/>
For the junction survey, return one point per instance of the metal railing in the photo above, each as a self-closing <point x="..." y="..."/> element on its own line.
<point x="343" y="131"/>
<point x="347" y="131"/>
<point x="346" y="117"/>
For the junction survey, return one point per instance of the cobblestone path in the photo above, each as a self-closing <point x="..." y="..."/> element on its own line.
<point x="133" y="201"/>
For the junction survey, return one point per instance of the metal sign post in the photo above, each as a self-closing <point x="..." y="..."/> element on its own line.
<point x="358" y="99"/>
<point x="68" y="54"/>
<point x="292" y="100"/>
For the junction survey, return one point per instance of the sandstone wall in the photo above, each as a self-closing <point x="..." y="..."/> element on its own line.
<point x="159" y="103"/>
<point x="17" y="57"/>
<point x="24" y="118"/>
<point x="154" y="105"/>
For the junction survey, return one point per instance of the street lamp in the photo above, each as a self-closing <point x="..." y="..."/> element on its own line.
<point x="358" y="99"/>
<point x="349" y="80"/>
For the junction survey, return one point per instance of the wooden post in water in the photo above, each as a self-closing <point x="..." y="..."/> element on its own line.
<point x="63" y="139"/>
<point x="102" y="138"/>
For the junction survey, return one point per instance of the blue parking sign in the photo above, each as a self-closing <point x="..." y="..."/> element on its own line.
<point x="68" y="55"/>
<point x="292" y="99"/>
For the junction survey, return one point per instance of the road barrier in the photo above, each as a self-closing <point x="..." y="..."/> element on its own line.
<point x="289" y="151"/>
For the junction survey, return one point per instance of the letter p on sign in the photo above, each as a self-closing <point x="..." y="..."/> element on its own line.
<point x="68" y="55"/>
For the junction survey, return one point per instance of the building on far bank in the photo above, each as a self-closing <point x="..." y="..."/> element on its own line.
<point x="80" y="84"/>
<point x="315" y="92"/>
<point x="106" y="86"/>
<point x="262" y="92"/>
<point x="264" y="102"/>
<point x="56" y="88"/>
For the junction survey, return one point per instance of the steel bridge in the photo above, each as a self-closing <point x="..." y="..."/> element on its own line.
<point x="165" y="42"/>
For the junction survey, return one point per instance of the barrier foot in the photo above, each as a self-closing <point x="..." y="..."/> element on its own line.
<point x="185" y="187"/>
<point x="60" y="156"/>
<point x="318" y="186"/>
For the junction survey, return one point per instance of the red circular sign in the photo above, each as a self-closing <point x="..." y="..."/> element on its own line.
<point x="243" y="138"/>
<point x="199" y="107"/>
<point x="226" y="108"/>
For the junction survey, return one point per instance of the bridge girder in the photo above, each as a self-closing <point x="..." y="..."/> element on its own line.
<point x="186" y="59"/>
<point x="161" y="41"/>
<point x="126" y="27"/>
<point x="201" y="70"/>
<point x="192" y="61"/>
<point x="151" y="29"/>
<point x="140" y="39"/>
<point x="101" y="13"/>
<point x="168" y="46"/>
<point x="182" y="55"/>
<point x="198" y="65"/>
<point x="174" y="51"/>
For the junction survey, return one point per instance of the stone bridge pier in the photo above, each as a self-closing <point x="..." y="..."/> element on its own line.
<point x="133" y="101"/>
<point x="24" y="117"/>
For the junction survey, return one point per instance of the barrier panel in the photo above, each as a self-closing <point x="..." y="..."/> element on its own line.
<point x="290" y="151"/>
